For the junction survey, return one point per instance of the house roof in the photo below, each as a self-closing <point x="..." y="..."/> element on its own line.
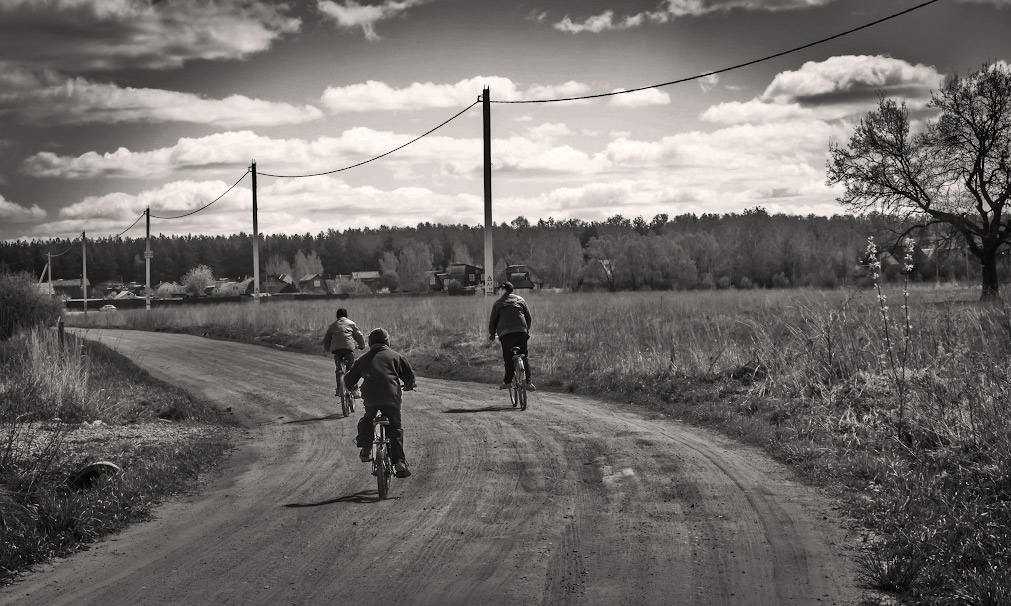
<point x="365" y="275"/>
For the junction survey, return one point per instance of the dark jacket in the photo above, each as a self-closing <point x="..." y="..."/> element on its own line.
<point x="509" y="314"/>
<point x="381" y="371"/>
<point x="343" y="334"/>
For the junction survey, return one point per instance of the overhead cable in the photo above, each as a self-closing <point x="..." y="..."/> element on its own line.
<point x="71" y="247"/>
<point x="726" y="69"/>
<point x="463" y="111"/>
<point x="131" y="226"/>
<point x="209" y="203"/>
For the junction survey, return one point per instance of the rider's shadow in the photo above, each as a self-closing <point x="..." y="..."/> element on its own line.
<point x="485" y="409"/>
<point x="364" y="496"/>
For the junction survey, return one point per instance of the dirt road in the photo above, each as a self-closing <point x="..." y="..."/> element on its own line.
<point x="573" y="501"/>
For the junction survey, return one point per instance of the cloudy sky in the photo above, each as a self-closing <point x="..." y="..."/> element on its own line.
<point x="108" y="107"/>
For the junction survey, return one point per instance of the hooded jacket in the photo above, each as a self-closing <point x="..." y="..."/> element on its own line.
<point x="381" y="371"/>
<point x="343" y="334"/>
<point x="509" y="314"/>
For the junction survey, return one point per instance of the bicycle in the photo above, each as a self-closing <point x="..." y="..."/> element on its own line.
<point x="382" y="466"/>
<point x="347" y="401"/>
<point x="518" y="388"/>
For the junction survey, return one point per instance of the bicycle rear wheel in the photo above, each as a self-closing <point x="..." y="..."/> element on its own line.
<point x="383" y="472"/>
<point x="519" y="383"/>
<point x="345" y="402"/>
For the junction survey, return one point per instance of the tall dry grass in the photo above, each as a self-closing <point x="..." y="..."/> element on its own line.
<point x="46" y="391"/>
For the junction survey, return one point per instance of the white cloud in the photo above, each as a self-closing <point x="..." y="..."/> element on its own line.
<point x="351" y="15"/>
<point x="76" y="35"/>
<point x="672" y="9"/>
<point x="15" y="213"/>
<point x="708" y="83"/>
<point x="373" y="95"/>
<point x="45" y="97"/>
<point x="306" y="205"/>
<point x="639" y="98"/>
<point x="231" y="151"/>
<point x="836" y="88"/>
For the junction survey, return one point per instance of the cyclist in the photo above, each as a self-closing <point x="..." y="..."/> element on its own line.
<point x="341" y="336"/>
<point x="382" y="372"/>
<point x="510" y="318"/>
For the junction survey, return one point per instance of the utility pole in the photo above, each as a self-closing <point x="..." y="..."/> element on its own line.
<point x="147" y="262"/>
<point x="256" y="243"/>
<point x="84" y="272"/>
<point x="49" y="266"/>
<point x="489" y="259"/>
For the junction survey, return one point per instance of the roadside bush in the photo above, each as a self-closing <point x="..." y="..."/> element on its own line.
<point x="21" y="304"/>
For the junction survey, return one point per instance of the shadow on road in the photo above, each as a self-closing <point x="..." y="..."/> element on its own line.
<point x="485" y="409"/>
<point x="364" y="496"/>
<point x="336" y="415"/>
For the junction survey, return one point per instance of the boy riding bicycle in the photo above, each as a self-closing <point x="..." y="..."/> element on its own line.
<point x="510" y="318"/>
<point x="382" y="372"/>
<point x="341" y="336"/>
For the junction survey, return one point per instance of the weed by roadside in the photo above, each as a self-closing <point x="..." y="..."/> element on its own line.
<point x="62" y="408"/>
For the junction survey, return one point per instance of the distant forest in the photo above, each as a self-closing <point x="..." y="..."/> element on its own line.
<point x="752" y="249"/>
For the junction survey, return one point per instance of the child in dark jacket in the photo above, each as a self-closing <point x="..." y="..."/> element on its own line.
<point x="382" y="372"/>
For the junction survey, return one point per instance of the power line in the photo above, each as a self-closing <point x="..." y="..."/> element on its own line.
<point x="131" y="226"/>
<point x="205" y="205"/>
<point x="727" y="69"/>
<point x="71" y="247"/>
<point x="463" y="111"/>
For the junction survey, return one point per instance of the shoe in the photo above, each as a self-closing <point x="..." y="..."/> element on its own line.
<point x="505" y="386"/>
<point x="366" y="455"/>
<point x="531" y="387"/>
<point x="356" y="394"/>
<point x="337" y="392"/>
<point x="352" y="409"/>
<point x="400" y="469"/>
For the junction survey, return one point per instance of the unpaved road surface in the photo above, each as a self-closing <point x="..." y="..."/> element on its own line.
<point x="573" y="501"/>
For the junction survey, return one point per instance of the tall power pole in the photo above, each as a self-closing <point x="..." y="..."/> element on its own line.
<point x="489" y="259"/>
<point x="147" y="262"/>
<point x="84" y="272"/>
<point x="256" y="243"/>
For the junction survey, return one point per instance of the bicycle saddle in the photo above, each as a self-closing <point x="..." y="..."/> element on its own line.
<point x="380" y="421"/>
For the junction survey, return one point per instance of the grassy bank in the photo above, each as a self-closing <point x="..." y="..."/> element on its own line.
<point x="900" y="404"/>
<point x="65" y="407"/>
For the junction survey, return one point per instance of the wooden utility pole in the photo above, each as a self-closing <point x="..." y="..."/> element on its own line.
<point x="147" y="262"/>
<point x="49" y="267"/>
<point x="84" y="271"/>
<point x="489" y="259"/>
<point x="256" y="243"/>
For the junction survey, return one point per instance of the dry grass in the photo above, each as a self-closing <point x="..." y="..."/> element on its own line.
<point x="52" y="398"/>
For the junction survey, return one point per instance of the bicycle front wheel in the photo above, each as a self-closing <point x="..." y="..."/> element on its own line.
<point x="345" y="402"/>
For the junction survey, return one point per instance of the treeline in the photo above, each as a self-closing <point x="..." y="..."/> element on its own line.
<point x="752" y="249"/>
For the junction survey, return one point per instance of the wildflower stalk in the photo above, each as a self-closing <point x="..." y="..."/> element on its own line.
<point x="896" y="361"/>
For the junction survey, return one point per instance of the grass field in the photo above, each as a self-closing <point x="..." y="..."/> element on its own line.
<point x="900" y="403"/>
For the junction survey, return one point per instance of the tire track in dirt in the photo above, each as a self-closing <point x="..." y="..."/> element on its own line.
<point x="573" y="501"/>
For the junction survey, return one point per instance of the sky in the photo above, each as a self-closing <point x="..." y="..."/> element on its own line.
<point x="110" y="107"/>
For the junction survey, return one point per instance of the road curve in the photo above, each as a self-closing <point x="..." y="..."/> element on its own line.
<point x="574" y="501"/>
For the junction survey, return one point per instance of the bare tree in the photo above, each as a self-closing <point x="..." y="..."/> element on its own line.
<point x="955" y="171"/>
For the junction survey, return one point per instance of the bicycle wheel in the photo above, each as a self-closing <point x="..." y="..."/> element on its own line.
<point x="345" y="402"/>
<point x="519" y="383"/>
<point x="383" y="472"/>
